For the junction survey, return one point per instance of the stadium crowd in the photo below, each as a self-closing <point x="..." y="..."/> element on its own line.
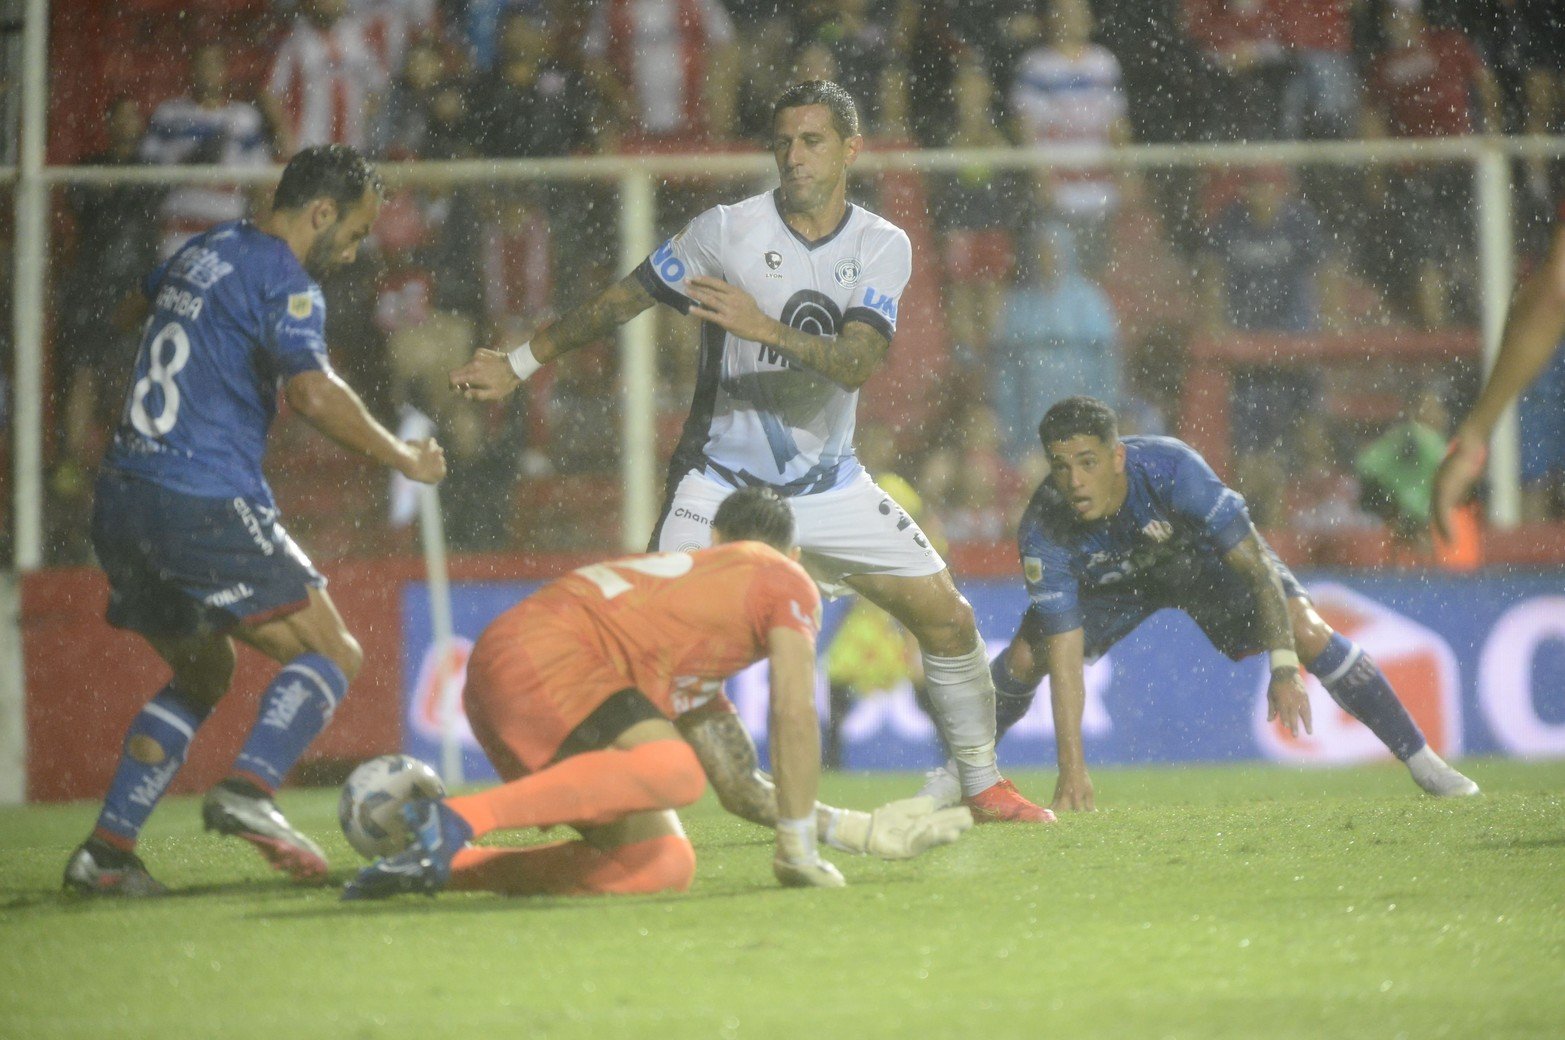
<point x="1097" y="282"/>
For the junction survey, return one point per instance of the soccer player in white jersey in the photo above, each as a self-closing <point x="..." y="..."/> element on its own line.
<point x="798" y="291"/>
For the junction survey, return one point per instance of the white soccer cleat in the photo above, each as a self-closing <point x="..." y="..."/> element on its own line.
<point x="942" y="786"/>
<point x="1436" y="777"/>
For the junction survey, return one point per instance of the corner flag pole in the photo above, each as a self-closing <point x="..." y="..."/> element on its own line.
<point x="432" y="531"/>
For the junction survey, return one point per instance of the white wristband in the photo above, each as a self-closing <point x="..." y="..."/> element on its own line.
<point x="1285" y="659"/>
<point x="523" y="362"/>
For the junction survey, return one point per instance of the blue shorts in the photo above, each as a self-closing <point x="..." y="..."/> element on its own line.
<point x="1215" y="596"/>
<point x="179" y="565"/>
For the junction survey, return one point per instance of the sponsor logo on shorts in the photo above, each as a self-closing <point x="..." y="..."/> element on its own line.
<point x="229" y="596"/>
<point x="682" y="513"/>
<point x="253" y="525"/>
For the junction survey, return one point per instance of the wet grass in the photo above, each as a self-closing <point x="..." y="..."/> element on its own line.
<point x="1221" y="902"/>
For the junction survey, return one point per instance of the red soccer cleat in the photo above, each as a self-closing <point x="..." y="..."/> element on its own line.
<point x="1003" y="803"/>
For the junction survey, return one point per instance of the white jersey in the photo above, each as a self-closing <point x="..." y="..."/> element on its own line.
<point x="757" y="418"/>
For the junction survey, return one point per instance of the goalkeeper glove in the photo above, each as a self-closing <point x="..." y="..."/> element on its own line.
<point x="897" y="830"/>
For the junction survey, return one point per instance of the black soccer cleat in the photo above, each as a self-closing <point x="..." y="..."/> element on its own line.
<point x="97" y="868"/>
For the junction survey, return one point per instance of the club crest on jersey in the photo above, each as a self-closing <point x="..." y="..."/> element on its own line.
<point x="1158" y="530"/>
<point x="1032" y="569"/>
<point x="848" y="271"/>
<point x="773" y="259"/>
<point x="300" y="305"/>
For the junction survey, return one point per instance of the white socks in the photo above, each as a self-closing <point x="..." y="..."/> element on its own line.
<point x="961" y="694"/>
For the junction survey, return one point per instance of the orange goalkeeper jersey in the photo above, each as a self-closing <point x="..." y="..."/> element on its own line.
<point x="671" y="625"/>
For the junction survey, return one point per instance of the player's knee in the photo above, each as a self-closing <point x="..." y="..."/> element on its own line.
<point x="346" y="653"/>
<point x="951" y="630"/>
<point x="666" y="864"/>
<point x="681" y="781"/>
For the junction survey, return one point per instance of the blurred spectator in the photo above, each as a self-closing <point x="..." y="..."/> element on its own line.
<point x="327" y="82"/>
<point x="1397" y="469"/>
<point x="1423" y="84"/>
<point x="674" y="62"/>
<point x="391" y="27"/>
<point x="970" y="485"/>
<point x="859" y="40"/>
<point x="1068" y="92"/>
<point x="532" y="104"/>
<point x="1266" y="270"/>
<point x="116" y="245"/>
<point x="1056" y="338"/>
<point x="207" y="127"/>
<point x="516" y="258"/>
<point x="403" y="124"/>
<point x="1245" y="65"/>
<point x="1323" y="93"/>
<point x="477" y="25"/>
<point x="1320" y="496"/>
<point x="974" y="208"/>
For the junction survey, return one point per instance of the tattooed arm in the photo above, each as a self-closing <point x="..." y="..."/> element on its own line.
<point x="1286" y="698"/>
<point x="847" y="359"/>
<point x="489" y="376"/>
<point x="727" y="754"/>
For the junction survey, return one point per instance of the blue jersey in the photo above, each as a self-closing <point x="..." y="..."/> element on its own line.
<point x="1177" y="519"/>
<point x="234" y="315"/>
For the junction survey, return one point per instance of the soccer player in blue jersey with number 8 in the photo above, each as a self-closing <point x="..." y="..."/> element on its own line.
<point x="1127" y="526"/>
<point x="186" y="528"/>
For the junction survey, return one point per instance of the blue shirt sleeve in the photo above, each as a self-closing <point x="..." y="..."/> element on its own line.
<point x="1052" y="590"/>
<point x="295" y="314"/>
<point x="1215" y="509"/>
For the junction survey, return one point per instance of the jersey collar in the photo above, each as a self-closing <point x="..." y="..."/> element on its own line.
<point x="847" y="215"/>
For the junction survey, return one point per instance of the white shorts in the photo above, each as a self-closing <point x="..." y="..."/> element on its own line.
<point x="854" y="529"/>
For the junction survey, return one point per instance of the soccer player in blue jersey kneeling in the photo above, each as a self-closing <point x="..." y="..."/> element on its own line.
<point x="1125" y="527"/>
<point x="186" y="528"/>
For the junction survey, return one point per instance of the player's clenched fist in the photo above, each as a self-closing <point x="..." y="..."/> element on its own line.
<point x="425" y="461"/>
<point x="899" y="830"/>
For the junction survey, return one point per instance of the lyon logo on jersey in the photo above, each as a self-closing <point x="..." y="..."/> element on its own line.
<point x="1416" y="661"/>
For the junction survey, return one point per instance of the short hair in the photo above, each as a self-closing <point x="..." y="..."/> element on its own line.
<point x="844" y="113"/>
<point x="329" y="171"/>
<point x="1077" y="416"/>
<point x="756" y="514"/>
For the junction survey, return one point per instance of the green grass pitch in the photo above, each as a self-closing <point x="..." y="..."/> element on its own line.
<point x="1213" y="902"/>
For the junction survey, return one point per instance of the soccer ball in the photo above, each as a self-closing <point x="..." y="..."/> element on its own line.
<point x="371" y="807"/>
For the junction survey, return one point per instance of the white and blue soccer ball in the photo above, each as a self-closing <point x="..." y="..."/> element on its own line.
<point x="370" y="810"/>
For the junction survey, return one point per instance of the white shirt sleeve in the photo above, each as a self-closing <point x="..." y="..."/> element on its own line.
<point x="884" y="276"/>
<point x="696" y="250"/>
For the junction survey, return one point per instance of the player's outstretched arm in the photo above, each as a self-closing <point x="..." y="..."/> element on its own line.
<point x="1532" y="334"/>
<point x="1068" y="698"/>
<point x="1285" y="696"/>
<point x="897" y="830"/>
<point x="492" y="374"/>
<point x="331" y="406"/>
<point x="847" y="359"/>
<point x="796" y="759"/>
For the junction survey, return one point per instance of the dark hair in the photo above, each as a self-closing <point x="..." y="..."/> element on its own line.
<point x="756" y="514"/>
<point x="326" y="171"/>
<point x="844" y="113"/>
<point x="1077" y="416"/>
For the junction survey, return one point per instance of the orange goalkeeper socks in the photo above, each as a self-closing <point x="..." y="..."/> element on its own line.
<point x="590" y="789"/>
<point x="574" y="868"/>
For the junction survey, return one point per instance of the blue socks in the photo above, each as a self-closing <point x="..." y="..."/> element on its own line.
<point x="1012" y="697"/>
<point x="155" y="747"/>
<point x="294" y="709"/>
<point x="1356" y="683"/>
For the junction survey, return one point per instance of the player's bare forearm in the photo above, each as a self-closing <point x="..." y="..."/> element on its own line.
<point x="847" y="359"/>
<point x="1532" y="334"/>
<point x="794" y="726"/>
<point x="332" y="407"/>
<point x="726" y="753"/>
<point x="1064" y="652"/>
<point x="1251" y="561"/>
<point x="593" y="320"/>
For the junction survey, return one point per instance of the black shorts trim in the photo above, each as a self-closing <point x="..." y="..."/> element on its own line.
<point x="611" y="718"/>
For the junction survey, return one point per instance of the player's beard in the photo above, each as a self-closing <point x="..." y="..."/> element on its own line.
<point x="323" y="254"/>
